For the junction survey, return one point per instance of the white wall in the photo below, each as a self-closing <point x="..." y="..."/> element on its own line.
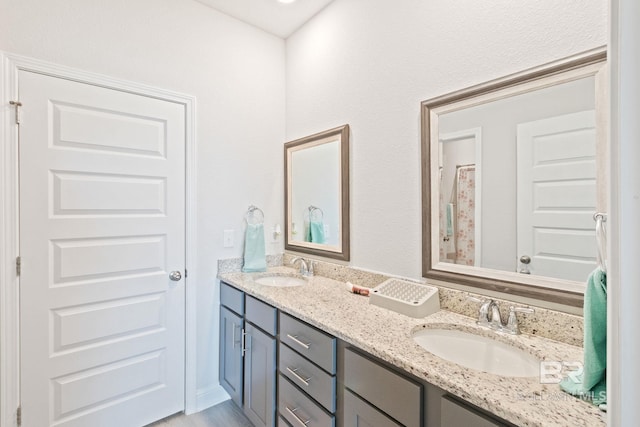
<point x="235" y="71"/>
<point x="370" y="63"/>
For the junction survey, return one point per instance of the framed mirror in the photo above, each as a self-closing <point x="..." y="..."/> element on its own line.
<point x="513" y="172"/>
<point x="317" y="194"/>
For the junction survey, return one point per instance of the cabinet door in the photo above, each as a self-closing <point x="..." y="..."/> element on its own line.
<point x="358" y="413"/>
<point x="456" y="414"/>
<point x="231" y="354"/>
<point x="259" y="377"/>
<point x="386" y="389"/>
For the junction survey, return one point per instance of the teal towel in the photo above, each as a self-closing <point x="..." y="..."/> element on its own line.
<point x="254" y="253"/>
<point x="449" y="219"/>
<point x="593" y="385"/>
<point x="315" y="232"/>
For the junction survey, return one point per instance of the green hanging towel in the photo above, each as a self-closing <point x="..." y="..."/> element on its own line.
<point x="254" y="251"/>
<point x="593" y="386"/>
<point x="450" y="214"/>
<point x="316" y="231"/>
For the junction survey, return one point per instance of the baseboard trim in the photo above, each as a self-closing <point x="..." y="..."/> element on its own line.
<point x="209" y="397"/>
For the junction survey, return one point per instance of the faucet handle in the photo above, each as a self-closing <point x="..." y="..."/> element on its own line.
<point x="495" y="317"/>
<point x="483" y="315"/>
<point x="512" y="326"/>
<point x="311" y="267"/>
<point x="304" y="270"/>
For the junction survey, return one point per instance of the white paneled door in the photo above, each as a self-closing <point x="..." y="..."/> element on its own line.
<point x="102" y="226"/>
<point x="557" y="195"/>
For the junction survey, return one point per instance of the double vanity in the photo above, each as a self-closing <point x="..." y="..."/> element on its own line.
<point x="299" y="351"/>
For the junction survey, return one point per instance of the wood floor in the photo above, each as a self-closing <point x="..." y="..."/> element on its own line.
<point x="225" y="414"/>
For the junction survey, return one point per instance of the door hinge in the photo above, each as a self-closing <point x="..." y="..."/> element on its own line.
<point x="19" y="415"/>
<point x="18" y="266"/>
<point x="17" y="105"/>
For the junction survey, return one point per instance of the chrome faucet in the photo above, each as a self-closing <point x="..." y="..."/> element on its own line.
<point x="485" y="315"/>
<point x="490" y="317"/>
<point x="306" y="266"/>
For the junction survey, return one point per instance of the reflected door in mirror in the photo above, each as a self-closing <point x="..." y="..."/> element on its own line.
<point x="556" y="172"/>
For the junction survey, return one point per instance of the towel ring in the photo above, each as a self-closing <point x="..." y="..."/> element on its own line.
<point x="254" y="215"/>
<point x="601" y="240"/>
<point x="315" y="210"/>
<point x="601" y="216"/>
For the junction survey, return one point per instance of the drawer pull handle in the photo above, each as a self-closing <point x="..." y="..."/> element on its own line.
<point x="294" y="415"/>
<point x="294" y="372"/>
<point x="297" y="341"/>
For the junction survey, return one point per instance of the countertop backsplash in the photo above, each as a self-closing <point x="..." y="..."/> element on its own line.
<point x="551" y="324"/>
<point x="234" y="265"/>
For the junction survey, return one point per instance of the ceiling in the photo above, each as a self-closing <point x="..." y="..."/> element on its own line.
<point x="270" y="15"/>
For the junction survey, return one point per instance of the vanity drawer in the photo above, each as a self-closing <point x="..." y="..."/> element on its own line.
<point x="298" y="409"/>
<point x="313" y="344"/>
<point x="262" y="315"/>
<point x="282" y="422"/>
<point x="358" y="413"/>
<point x="232" y="298"/>
<point x="311" y="379"/>
<point x="394" y="394"/>
<point x="455" y="414"/>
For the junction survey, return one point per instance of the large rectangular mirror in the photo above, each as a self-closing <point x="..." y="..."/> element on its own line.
<point x="317" y="194"/>
<point x="513" y="172"/>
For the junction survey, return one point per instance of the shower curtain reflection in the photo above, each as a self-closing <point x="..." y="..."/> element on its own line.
<point x="457" y="218"/>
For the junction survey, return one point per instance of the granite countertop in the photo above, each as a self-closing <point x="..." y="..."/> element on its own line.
<point x="326" y="304"/>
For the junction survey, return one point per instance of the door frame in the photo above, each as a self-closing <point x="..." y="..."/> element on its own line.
<point x="11" y="65"/>
<point x="476" y="134"/>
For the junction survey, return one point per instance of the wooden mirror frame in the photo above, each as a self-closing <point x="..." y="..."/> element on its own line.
<point x="536" y="287"/>
<point x="344" y="252"/>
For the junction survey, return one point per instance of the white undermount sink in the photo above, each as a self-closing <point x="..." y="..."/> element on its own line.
<point x="280" y="281"/>
<point x="478" y="352"/>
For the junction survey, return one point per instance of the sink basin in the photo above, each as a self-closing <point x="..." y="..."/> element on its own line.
<point x="478" y="352"/>
<point x="280" y="281"/>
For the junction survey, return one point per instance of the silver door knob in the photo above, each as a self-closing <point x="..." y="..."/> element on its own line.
<point x="525" y="260"/>
<point x="175" y="276"/>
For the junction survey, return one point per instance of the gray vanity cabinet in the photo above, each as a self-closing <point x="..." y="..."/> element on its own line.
<point x="259" y="377"/>
<point x="231" y="354"/>
<point x="456" y="414"/>
<point x="260" y="362"/>
<point x="273" y="362"/>
<point x="307" y="381"/>
<point x="380" y="395"/>
<point x="231" y="328"/>
<point x="376" y="395"/>
<point x="359" y="413"/>
<point x="248" y="329"/>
